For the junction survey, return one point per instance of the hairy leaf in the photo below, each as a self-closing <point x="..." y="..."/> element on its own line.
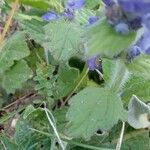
<point x="16" y="76"/>
<point x="140" y="66"/>
<point x="92" y="4"/>
<point x="67" y="77"/>
<point x="23" y="134"/>
<point x="136" y="141"/>
<point x="138" y="113"/>
<point x="29" y="109"/>
<point x="136" y="86"/>
<point x="104" y="40"/>
<point x="7" y="143"/>
<point x="14" y="49"/>
<point x="63" y="39"/>
<point x="34" y="29"/>
<point x="40" y="4"/>
<point x="83" y="15"/>
<point x="93" y="109"/>
<point x="45" y="81"/>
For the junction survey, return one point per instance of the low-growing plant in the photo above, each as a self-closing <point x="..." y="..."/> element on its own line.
<point x="75" y="74"/>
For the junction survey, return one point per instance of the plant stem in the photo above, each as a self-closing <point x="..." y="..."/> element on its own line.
<point x="78" y="83"/>
<point x="7" y="25"/>
<point x="118" y="147"/>
<point x="72" y="142"/>
<point x="54" y="129"/>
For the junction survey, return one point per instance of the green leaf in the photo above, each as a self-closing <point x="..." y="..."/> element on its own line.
<point x="138" y="113"/>
<point x="45" y="81"/>
<point x="14" y="49"/>
<point x="92" y="4"/>
<point x="136" y="86"/>
<point x="16" y="76"/>
<point x="35" y="3"/>
<point x="104" y="40"/>
<point x="60" y="117"/>
<point x="9" y="144"/>
<point x="140" y="66"/>
<point x="93" y="109"/>
<point x="108" y="66"/>
<point x="67" y="78"/>
<point x="34" y="29"/>
<point x="136" y="141"/>
<point x="22" y="133"/>
<point x="63" y="39"/>
<point x="119" y="75"/>
<point x="30" y="109"/>
<point x="83" y="15"/>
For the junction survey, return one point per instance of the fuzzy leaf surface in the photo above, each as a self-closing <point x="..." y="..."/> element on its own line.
<point x="16" y="76"/>
<point x="136" y="86"/>
<point x="63" y="39"/>
<point x="92" y="109"/>
<point x="104" y="40"/>
<point x="14" y="49"/>
<point x="140" y="66"/>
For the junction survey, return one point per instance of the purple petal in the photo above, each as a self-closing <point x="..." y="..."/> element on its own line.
<point x="69" y="14"/>
<point x="108" y="2"/>
<point x="146" y="21"/>
<point x="50" y="16"/>
<point x="93" y="19"/>
<point x="139" y="7"/>
<point x="93" y="63"/>
<point x="134" y="52"/>
<point x="122" y="28"/>
<point x="75" y="4"/>
<point x="147" y="51"/>
<point x="136" y="23"/>
<point x="144" y="42"/>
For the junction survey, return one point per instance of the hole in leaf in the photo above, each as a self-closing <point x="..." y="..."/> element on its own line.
<point x="99" y="132"/>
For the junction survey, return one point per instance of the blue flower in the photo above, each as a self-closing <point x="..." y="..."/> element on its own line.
<point x="75" y="4"/>
<point x="93" y="63"/>
<point x="143" y="44"/>
<point x="146" y="21"/>
<point x="69" y="14"/>
<point x="50" y="16"/>
<point x="138" y="7"/>
<point x="122" y="28"/>
<point x="93" y="19"/>
<point x="130" y="12"/>
<point x="135" y="23"/>
<point x="108" y="2"/>
<point x="134" y="52"/>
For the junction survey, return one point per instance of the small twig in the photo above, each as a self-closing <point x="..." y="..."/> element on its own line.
<point x="20" y="100"/>
<point x="7" y="25"/>
<point x="54" y="129"/>
<point x="119" y="143"/>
